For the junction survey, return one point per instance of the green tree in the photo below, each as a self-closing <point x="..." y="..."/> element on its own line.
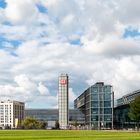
<point x="57" y="125"/>
<point x="134" y="112"/>
<point x="42" y="125"/>
<point x="31" y="123"/>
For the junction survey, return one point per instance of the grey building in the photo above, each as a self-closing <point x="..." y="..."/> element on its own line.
<point x="126" y="99"/>
<point x="97" y="104"/>
<point x="63" y="101"/>
<point x="121" y="111"/>
<point x="52" y="115"/>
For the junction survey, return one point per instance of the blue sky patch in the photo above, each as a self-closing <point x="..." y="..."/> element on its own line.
<point x="75" y="42"/>
<point x="42" y="9"/>
<point x="14" y="43"/>
<point x="2" y="39"/>
<point x="2" y="4"/>
<point x="7" y="23"/>
<point x="130" y="32"/>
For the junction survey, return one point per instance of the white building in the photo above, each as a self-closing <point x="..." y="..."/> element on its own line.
<point x="63" y="101"/>
<point x="11" y="114"/>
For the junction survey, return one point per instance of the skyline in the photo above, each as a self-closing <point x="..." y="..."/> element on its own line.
<point x="90" y="40"/>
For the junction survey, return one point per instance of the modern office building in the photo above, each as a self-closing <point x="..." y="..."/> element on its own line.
<point x="121" y="111"/>
<point x="97" y="104"/>
<point x="11" y="114"/>
<point x="63" y="101"/>
<point x="126" y="99"/>
<point x="52" y="115"/>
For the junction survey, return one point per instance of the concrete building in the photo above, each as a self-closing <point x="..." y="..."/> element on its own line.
<point x="63" y="101"/>
<point x="11" y="114"/>
<point x="97" y="104"/>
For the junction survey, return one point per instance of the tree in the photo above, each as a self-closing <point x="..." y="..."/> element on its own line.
<point x="134" y="112"/>
<point x="31" y="123"/>
<point x="42" y="125"/>
<point x="57" y="125"/>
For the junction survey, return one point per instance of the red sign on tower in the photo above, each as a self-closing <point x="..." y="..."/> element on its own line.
<point x="62" y="81"/>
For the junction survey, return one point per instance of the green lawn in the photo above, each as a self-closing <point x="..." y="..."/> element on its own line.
<point x="68" y="135"/>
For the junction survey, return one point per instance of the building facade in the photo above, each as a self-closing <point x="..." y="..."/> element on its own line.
<point x="121" y="111"/>
<point x="11" y="114"/>
<point x="122" y="119"/>
<point x="52" y="115"/>
<point x="63" y="101"/>
<point x="126" y="99"/>
<point x="97" y="104"/>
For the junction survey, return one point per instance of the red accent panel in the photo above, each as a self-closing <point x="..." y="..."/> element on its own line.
<point x="62" y="81"/>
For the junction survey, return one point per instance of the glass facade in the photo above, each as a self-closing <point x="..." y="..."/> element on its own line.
<point x="52" y="115"/>
<point x="128" y="98"/>
<point x="98" y="106"/>
<point x="63" y="101"/>
<point x="121" y="117"/>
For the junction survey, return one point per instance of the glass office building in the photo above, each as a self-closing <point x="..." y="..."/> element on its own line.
<point x="122" y="119"/>
<point x="121" y="111"/>
<point x="63" y="101"/>
<point x="52" y="115"/>
<point x="97" y="104"/>
<point x="126" y="99"/>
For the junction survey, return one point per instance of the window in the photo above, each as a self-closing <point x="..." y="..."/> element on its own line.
<point x="101" y="111"/>
<point x="94" y="111"/>
<point x="101" y="104"/>
<point x="94" y="97"/>
<point x="107" y="96"/>
<point x="107" y="103"/>
<point x="107" y="111"/>
<point x="100" y="89"/>
<point x="94" y="103"/>
<point x="101" y="97"/>
<point x="107" y="88"/>
<point x="107" y="117"/>
<point x="94" y="89"/>
<point x="94" y="118"/>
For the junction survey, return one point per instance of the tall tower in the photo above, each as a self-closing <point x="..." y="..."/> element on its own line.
<point x="63" y="101"/>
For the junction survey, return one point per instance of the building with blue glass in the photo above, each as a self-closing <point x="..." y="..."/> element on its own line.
<point x="97" y="104"/>
<point x="52" y="115"/>
<point x="126" y="99"/>
<point x="121" y="111"/>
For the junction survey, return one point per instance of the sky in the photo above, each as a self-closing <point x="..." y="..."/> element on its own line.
<point x="90" y="40"/>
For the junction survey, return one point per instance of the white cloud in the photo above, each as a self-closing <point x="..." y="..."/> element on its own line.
<point x="45" y="50"/>
<point x="21" y="11"/>
<point x="25" y="90"/>
<point x="43" y="89"/>
<point x="113" y="46"/>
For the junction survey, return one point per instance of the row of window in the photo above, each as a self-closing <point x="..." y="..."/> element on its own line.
<point x="101" y="111"/>
<point x="101" y="104"/>
<point x="101" y="118"/>
<point x="101" y="89"/>
<point x="101" y="97"/>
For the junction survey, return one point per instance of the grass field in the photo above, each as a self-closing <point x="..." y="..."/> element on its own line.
<point x="68" y="135"/>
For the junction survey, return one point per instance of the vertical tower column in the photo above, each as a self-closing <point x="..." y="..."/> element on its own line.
<point x="63" y="101"/>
